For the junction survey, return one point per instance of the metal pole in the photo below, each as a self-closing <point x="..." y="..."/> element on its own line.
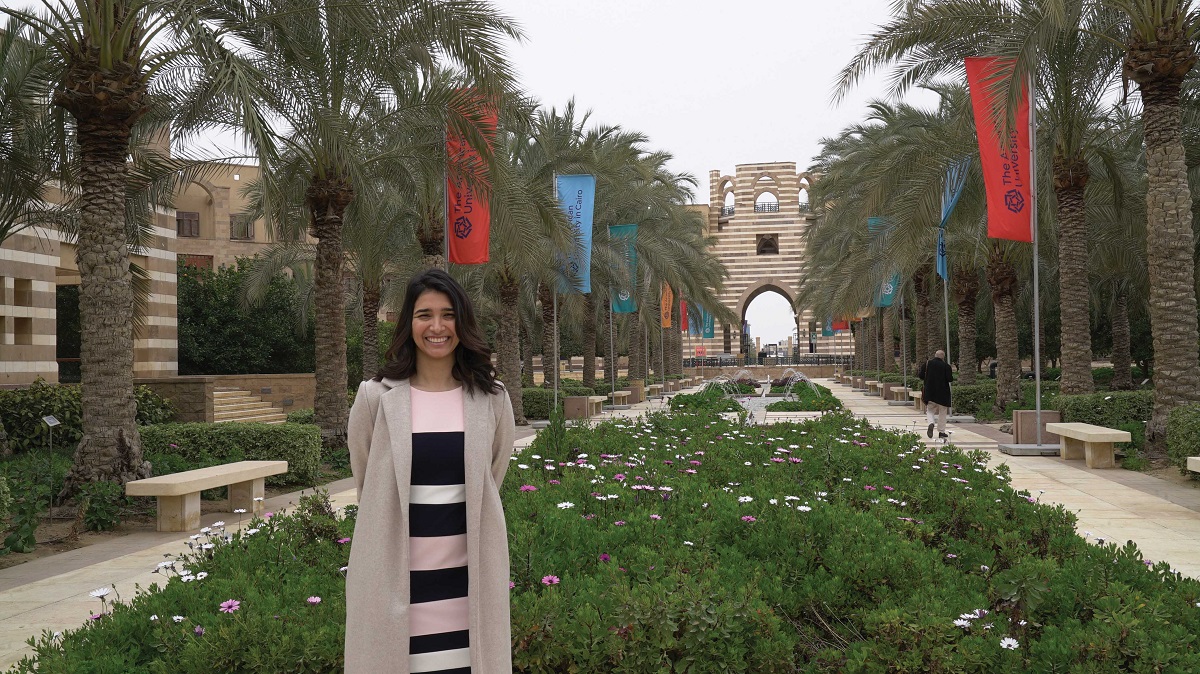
<point x="446" y="204"/>
<point x="1033" y="216"/>
<point x="946" y="298"/>
<point x="555" y="293"/>
<point x="904" y="346"/>
<point x="662" y="367"/>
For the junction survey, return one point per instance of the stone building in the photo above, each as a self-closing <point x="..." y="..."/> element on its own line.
<point x="758" y="216"/>
<point x="207" y="229"/>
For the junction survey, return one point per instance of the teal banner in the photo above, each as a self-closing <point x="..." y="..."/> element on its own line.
<point x="887" y="291"/>
<point x="710" y="325"/>
<point x="623" y="299"/>
<point x="827" y="328"/>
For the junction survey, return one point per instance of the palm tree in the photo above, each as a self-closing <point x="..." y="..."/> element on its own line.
<point x="337" y="94"/>
<point x="1160" y="51"/>
<point x="111" y="64"/>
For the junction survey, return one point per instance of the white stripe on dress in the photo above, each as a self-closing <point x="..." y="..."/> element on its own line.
<point x="436" y="662"/>
<point x="437" y="494"/>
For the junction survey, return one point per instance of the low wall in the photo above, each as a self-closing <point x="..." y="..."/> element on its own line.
<point x="192" y="395"/>
<point x="762" y="372"/>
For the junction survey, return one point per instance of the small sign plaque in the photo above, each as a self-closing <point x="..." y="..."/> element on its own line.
<point x="50" y="421"/>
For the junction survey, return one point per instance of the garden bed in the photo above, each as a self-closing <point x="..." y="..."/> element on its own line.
<point x="686" y="543"/>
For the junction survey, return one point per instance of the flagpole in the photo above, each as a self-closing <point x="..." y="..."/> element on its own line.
<point x="1033" y="216"/>
<point x="612" y="349"/>
<point x="554" y="292"/>
<point x="946" y="298"/>
<point x="446" y="203"/>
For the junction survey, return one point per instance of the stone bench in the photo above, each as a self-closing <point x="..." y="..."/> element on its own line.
<point x="179" y="493"/>
<point x="1093" y="444"/>
<point x="654" y="391"/>
<point x="917" y="401"/>
<point x="1193" y="464"/>
<point x="872" y="388"/>
<point x="900" y="394"/>
<point x="596" y="405"/>
<point x="620" y="397"/>
<point x="671" y="385"/>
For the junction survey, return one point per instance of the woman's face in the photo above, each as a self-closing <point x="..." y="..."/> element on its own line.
<point x="433" y="325"/>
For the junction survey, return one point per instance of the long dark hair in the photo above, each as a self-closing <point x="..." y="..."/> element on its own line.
<point x="472" y="356"/>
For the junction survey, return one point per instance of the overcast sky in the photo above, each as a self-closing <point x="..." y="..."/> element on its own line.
<point x="714" y="83"/>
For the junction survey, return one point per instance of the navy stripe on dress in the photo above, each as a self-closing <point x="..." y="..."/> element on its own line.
<point x="445" y="641"/>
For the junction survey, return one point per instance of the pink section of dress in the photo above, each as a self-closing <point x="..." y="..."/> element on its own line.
<point x="437" y="412"/>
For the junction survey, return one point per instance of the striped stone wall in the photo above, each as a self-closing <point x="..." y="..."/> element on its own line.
<point x="762" y="248"/>
<point x="27" y="309"/>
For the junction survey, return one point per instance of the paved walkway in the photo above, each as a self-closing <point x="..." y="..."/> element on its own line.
<point x="1116" y="505"/>
<point x="1162" y="518"/>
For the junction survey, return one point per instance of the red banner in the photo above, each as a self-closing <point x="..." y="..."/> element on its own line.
<point x="840" y="325"/>
<point x="468" y="213"/>
<point x="1004" y="156"/>
<point x="683" y="324"/>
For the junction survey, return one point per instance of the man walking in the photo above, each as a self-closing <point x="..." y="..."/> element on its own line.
<point x="937" y="376"/>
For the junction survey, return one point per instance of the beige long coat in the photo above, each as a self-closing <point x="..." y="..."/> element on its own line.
<point x="377" y="582"/>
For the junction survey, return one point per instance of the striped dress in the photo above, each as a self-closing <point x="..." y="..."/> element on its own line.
<point x="437" y="546"/>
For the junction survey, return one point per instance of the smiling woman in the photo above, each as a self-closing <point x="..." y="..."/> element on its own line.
<point x="430" y="438"/>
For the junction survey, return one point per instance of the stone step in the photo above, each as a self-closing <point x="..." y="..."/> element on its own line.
<point x="230" y="393"/>
<point x="275" y="418"/>
<point x="221" y="411"/>
<point x="247" y="404"/>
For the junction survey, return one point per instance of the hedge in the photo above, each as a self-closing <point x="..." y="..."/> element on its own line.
<point x="185" y="446"/>
<point x="24" y="408"/>
<point x="1107" y="409"/>
<point x="809" y="397"/>
<point x="302" y="416"/>
<point x="536" y="402"/>
<point x="5" y="499"/>
<point x="1183" y="436"/>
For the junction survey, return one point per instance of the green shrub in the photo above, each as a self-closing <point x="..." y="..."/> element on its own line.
<point x="101" y="503"/>
<point x="5" y="499"/>
<point x="1183" y="436"/>
<point x="808" y="397"/>
<point x="975" y="399"/>
<point x="1107" y="409"/>
<point x="25" y="407"/>
<point x="710" y="400"/>
<point x="218" y="335"/>
<point x="571" y="387"/>
<point x="536" y="402"/>
<point x="304" y="416"/>
<point x="203" y="445"/>
<point x="604" y="387"/>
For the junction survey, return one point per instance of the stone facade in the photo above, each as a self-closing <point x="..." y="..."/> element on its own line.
<point x="758" y="217"/>
<point x="35" y="261"/>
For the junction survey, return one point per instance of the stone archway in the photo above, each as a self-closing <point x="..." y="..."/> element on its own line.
<point x="765" y="285"/>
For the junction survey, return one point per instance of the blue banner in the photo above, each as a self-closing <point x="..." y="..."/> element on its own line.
<point x="942" y="269"/>
<point x="887" y="291"/>
<point x="623" y="299"/>
<point x="956" y="178"/>
<point x="577" y="198"/>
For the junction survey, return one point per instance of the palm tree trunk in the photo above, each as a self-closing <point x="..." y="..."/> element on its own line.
<point x="508" y="360"/>
<point x="859" y="348"/>
<point x="889" y="341"/>
<point x="327" y="199"/>
<point x="370" y="316"/>
<point x="1122" y="377"/>
<point x="635" y="347"/>
<point x="1070" y="179"/>
<point x="111" y="448"/>
<point x="526" y="354"/>
<point x="1159" y="69"/>
<point x="923" y="351"/>
<point x="1002" y="278"/>
<point x="676" y="341"/>
<point x="589" y="341"/>
<point x="966" y="281"/>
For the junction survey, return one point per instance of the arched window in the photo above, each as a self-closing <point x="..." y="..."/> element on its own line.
<point x="766" y="202"/>
<point x="768" y="244"/>
<point x="804" y="205"/>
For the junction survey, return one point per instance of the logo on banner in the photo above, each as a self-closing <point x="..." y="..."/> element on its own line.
<point x="462" y="227"/>
<point x="1015" y="201"/>
<point x="888" y="288"/>
<point x="623" y="295"/>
